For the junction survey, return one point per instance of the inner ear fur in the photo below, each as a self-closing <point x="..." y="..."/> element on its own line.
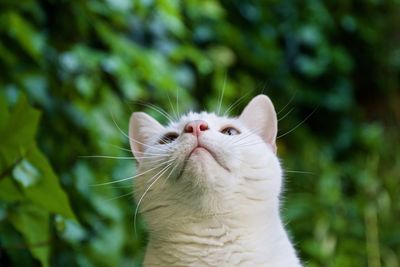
<point x="259" y="116"/>
<point x="142" y="128"/>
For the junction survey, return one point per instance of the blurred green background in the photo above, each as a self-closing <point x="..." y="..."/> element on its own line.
<point x="71" y="72"/>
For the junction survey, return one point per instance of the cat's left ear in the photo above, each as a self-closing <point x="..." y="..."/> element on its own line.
<point x="260" y="116"/>
<point x="142" y="128"/>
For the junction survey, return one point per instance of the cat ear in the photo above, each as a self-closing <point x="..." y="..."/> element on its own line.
<point x="260" y="116"/>
<point x="141" y="128"/>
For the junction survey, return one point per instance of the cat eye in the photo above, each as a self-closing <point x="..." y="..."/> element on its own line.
<point x="230" y="131"/>
<point x="168" y="138"/>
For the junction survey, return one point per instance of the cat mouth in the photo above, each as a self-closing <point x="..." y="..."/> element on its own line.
<point x="200" y="149"/>
<point x="203" y="149"/>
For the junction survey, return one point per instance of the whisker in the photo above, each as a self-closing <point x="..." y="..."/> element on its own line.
<point x="287" y="113"/>
<point x="172" y="170"/>
<point x="288" y="103"/>
<point x="172" y="107"/>
<point x="165" y="150"/>
<point x="156" y="154"/>
<point x="171" y="161"/>
<point x="236" y="103"/>
<point x="252" y="131"/>
<point x="177" y="100"/>
<point x="121" y="186"/>
<point x="156" y="108"/>
<point x="301" y="172"/>
<point x="133" y="177"/>
<point x="115" y="146"/>
<point x="222" y="95"/>
<point x="105" y="157"/>
<point x="121" y="196"/>
<point x="294" y="128"/>
<point x="265" y="86"/>
<point x="153" y="156"/>
<point x="251" y="144"/>
<point x="123" y="149"/>
<point x="145" y="192"/>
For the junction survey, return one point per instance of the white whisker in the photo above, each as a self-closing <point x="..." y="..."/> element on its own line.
<point x="121" y="196"/>
<point x="236" y="103"/>
<point x="172" y="170"/>
<point x="106" y="157"/>
<point x="177" y="100"/>
<point x="251" y="144"/>
<point x="169" y="161"/>
<point x="172" y="107"/>
<point x="157" y="148"/>
<point x="115" y="146"/>
<point x="287" y="113"/>
<point x="294" y="128"/>
<point x="287" y="104"/>
<point x="135" y="176"/>
<point x="145" y="192"/>
<point x="301" y="172"/>
<point x="265" y="86"/>
<point x="153" y="156"/>
<point x="121" y="186"/>
<point x="222" y="96"/>
<point x="244" y="136"/>
<point x="158" y="109"/>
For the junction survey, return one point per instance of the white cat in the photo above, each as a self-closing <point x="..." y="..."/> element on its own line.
<point x="208" y="189"/>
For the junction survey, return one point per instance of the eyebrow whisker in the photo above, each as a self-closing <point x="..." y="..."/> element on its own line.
<point x="299" y="124"/>
<point x="287" y="104"/>
<point x="287" y="113"/>
<point x="134" y="140"/>
<point x="156" y="108"/>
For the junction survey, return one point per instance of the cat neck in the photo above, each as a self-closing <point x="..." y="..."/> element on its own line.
<point x="238" y="214"/>
<point x="224" y="239"/>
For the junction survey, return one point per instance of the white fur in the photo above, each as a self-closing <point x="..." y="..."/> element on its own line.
<point x="212" y="209"/>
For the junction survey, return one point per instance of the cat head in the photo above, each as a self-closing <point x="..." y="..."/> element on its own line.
<point x="207" y="164"/>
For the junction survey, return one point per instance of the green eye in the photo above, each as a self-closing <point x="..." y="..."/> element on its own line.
<point x="168" y="138"/>
<point x="230" y="131"/>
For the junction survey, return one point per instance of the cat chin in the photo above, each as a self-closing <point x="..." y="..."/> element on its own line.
<point x="202" y="167"/>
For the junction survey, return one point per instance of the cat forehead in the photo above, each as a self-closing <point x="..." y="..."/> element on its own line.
<point x="212" y="120"/>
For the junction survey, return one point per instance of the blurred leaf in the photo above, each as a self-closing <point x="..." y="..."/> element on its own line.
<point x="19" y="29"/>
<point x="3" y="113"/>
<point x="9" y="191"/>
<point x="18" y="133"/>
<point x="33" y="223"/>
<point x="46" y="192"/>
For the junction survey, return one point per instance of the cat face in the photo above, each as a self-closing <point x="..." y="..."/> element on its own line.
<point x="206" y="163"/>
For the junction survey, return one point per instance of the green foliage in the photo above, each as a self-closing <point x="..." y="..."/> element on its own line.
<point x="86" y="65"/>
<point x="30" y="190"/>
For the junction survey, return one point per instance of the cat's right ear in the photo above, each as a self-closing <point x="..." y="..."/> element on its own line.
<point x="260" y="116"/>
<point x="142" y="127"/>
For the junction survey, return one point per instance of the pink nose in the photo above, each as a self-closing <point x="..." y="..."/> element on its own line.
<point x="196" y="127"/>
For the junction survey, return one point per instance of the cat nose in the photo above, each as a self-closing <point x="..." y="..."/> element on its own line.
<point x="196" y="127"/>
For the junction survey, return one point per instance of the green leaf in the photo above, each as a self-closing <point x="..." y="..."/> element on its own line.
<point x="46" y="191"/>
<point x="19" y="29"/>
<point x="33" y="223"/>
<point x="9" y="191"/>
<point x="18" y="133"/>
<point x="3" y="112"/>
<point x="20" y="158"/>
